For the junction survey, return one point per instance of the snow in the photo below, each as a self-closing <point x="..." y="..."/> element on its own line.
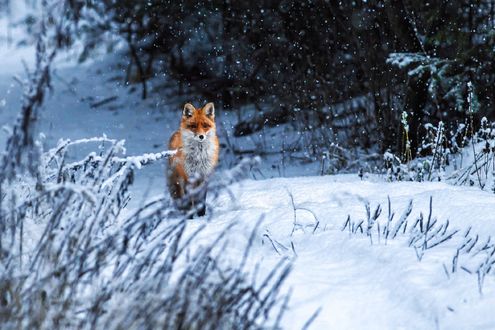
<point x="15" y="59"/>
<point x="352" y="281"/>
<point x="354" y="284"/>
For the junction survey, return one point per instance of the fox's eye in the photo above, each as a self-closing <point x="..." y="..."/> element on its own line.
<point x="206" y="126"/>
<point x="192" y="126"/>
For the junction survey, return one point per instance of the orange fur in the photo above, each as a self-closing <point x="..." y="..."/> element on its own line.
<point x="194" y="122"/>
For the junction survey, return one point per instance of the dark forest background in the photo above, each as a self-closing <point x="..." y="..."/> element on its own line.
<point x="352" y="66"/>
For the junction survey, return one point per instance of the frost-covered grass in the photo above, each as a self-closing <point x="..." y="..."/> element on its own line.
<point x="459" y="155"/>
<point x="72" y="259"/>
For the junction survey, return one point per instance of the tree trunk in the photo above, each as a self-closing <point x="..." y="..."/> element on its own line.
<point x="417" y="88"/>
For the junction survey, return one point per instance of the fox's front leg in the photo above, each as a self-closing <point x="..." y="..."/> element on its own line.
<point x="202" y="206"/>
<point x="199" y="198"/>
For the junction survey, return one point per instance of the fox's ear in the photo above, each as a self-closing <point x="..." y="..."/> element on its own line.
<point x="209" y="109"/>
<point x="188" y="110"/>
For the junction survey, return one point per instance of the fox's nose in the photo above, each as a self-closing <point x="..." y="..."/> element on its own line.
<point x="201" y="137"/>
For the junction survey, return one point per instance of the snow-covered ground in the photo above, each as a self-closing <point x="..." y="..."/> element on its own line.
<point x="354" y="282"/>
<point x="358" y="284"/>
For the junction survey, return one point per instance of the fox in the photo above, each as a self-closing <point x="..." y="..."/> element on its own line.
<point x="197" y="147"/>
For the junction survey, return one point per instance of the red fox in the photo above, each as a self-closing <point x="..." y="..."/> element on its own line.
<point x="197" y="154"/>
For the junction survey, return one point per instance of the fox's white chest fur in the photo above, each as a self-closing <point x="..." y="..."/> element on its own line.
<point x="199" y="155"/>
